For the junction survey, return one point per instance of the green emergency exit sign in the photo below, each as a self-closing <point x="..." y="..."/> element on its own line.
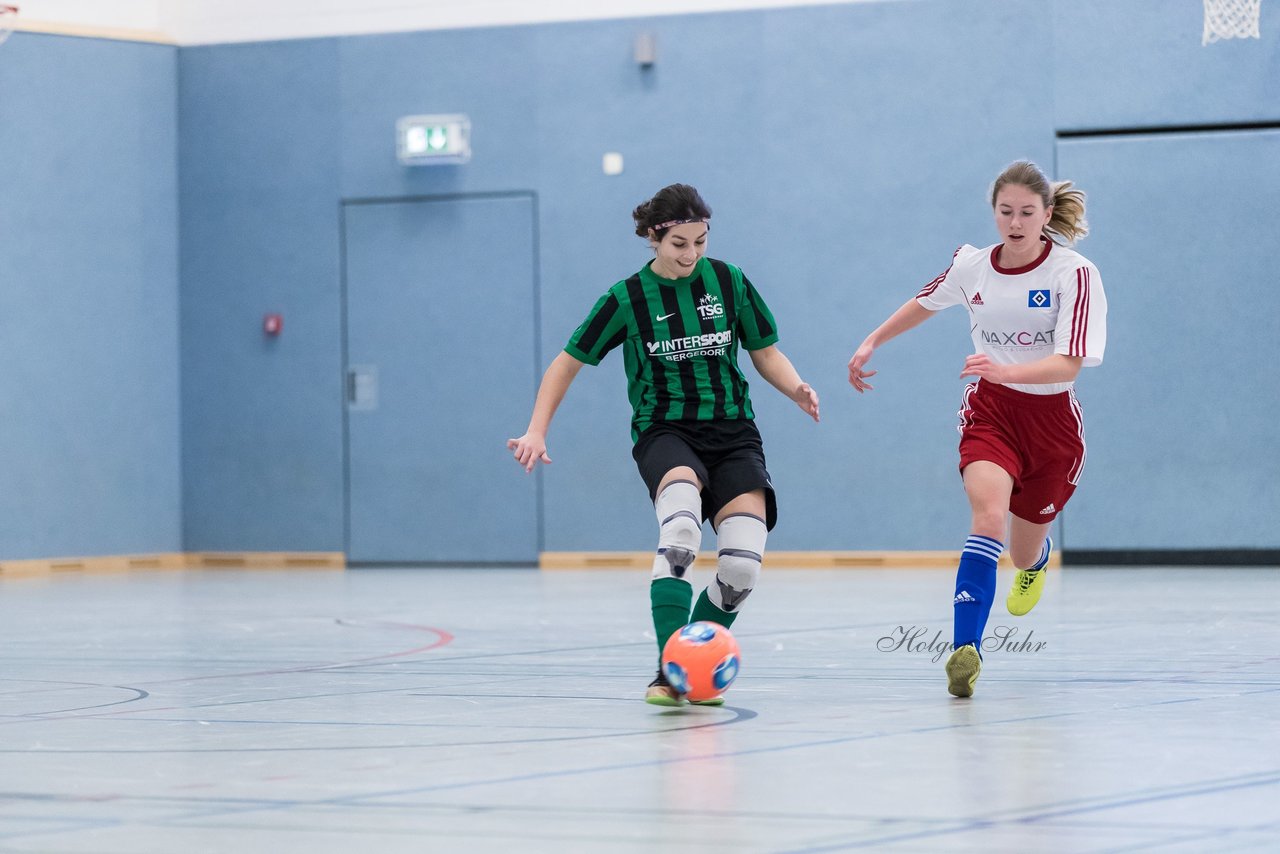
<point x="424" y="140"/>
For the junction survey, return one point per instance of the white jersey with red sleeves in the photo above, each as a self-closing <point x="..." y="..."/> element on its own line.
<point x="1017" y="315"/>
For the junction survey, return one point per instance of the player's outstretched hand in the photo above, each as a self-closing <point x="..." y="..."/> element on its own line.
<point x="858" y="376"/>
<point x="807" y="399"/>
<point x="980" y="365"/>
<point x="528" y="449"/>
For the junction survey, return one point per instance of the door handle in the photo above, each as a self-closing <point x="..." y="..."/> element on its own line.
<point x="362" y="387"/>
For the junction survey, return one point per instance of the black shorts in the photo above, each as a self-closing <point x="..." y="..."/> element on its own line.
<point x="727" y="456"/>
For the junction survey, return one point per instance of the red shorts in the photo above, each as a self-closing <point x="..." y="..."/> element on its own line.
<point x="1037" y="438"/>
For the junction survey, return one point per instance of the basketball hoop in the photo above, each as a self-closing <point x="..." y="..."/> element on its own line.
<point x="7" y="14"/>
<point x="1231" y="19"/>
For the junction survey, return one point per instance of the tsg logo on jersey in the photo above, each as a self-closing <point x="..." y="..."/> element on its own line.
<point x="1038" y="299"/>
<point x="709" y="306"/>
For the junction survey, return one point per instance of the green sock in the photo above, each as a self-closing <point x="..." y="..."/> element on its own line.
<point x="670" y="598"/>
<point x="707" y="610"/>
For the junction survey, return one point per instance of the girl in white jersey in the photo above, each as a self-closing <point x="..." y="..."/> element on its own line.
<point x="1037" y="314"/>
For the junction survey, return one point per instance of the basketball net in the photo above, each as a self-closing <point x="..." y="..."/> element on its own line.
<point x="7" y="14"/>
<point x="1231" y="19"/>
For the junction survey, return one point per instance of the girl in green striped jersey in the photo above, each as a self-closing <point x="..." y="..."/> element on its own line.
<point x="680" y="321"/>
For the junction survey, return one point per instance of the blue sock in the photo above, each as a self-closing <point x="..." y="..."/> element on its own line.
<point x="1044" y="556"/>
<point x="975" y="588"/>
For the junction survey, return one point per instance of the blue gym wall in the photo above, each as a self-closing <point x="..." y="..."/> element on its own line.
<point x="261" y="417"/>
<point x="89" y="433"/>
<point x="1182" y="417"/>
<point x="846" y="151"/>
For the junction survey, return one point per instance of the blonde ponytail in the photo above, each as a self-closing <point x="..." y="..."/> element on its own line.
<point x="1067" y="219"/>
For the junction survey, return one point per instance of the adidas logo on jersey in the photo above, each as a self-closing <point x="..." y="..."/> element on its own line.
<point x="963" y="598"/>
<point x="1050" y="509"/>
<point x="977" y="300"/>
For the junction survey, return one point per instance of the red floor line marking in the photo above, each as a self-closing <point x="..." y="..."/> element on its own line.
<point x="443" y="638"/>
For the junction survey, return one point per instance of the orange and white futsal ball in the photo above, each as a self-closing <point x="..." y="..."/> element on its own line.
<point x="701" y="660"/>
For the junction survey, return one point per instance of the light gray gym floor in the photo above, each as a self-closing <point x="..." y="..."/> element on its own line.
<point x="497" y="710"/>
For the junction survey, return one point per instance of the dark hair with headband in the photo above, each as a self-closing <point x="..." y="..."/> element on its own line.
<point x="670" y="206"/>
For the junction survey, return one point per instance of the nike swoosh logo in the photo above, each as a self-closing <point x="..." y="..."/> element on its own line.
<point x="665" y="316"/>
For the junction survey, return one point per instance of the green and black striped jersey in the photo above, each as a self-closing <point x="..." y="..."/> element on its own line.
<point x="680" y="342"/>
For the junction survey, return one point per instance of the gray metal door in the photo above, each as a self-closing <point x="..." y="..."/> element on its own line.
<point x="441" y="362"/>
